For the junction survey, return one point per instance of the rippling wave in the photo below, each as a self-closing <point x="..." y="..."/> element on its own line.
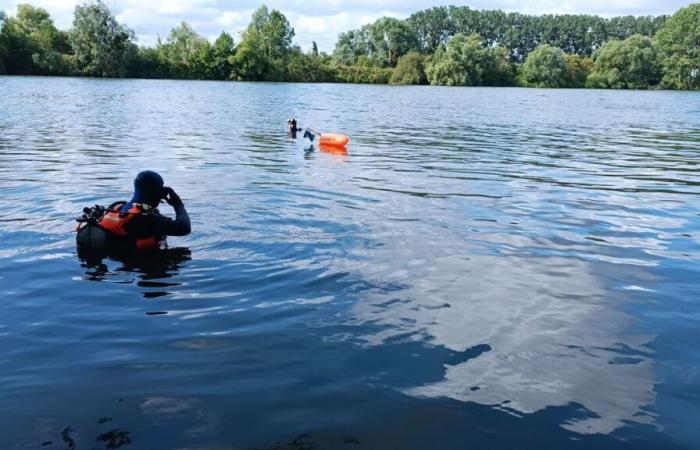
<point x="486" y="267"/>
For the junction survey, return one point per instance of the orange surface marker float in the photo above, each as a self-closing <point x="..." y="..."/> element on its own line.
<point x="327" y="140"/>
<point x="333" y="139"/>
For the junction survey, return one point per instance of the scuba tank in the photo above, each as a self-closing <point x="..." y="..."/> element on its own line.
<point x="90" y="235"/>
<point x="102" y="229"/>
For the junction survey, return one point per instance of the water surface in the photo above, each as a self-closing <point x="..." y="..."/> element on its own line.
<point x="484" y="268"/>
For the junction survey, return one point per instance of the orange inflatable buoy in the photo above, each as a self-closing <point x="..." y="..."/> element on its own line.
<point x="333" y="139"/>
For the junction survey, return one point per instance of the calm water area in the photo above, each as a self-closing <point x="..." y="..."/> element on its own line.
<point x="484" y="268"/>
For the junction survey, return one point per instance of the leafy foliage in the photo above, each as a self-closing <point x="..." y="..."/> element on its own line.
<point x="351" y="46"/>
<point x="442" y="45"/>
<point x="578" y="68"/>
<point x="3" y="43"/>
<point x="521" y="34"/>
<point x="432" y="27"/>
<point x="266" y="44"/>
<point x="629" y="64"/>
<point x="466" y="61"/>
<point x="410" y="69"/>
<point x="366" y="74"/>
<point x="102" y="46"/>
<point x="389" y="39"/>
<point x="311" y="67"/>
<point x="222" y="51"/>
<point x="679" y="46"/>
<point x="545" y="67"/>
<point x="31" y="44"/>
<point x="185" y="53"/>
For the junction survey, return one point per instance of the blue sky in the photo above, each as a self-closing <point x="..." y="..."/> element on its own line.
<point x="319" y="20"/>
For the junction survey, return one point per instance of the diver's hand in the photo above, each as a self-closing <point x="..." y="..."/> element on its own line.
<point x="172" y="198"/>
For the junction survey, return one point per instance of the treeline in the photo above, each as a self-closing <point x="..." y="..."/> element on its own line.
<point x="454" y="46"/>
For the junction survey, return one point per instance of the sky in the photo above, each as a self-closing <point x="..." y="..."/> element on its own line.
<point x="316" y="20"/>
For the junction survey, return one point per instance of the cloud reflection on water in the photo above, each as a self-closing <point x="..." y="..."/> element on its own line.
<point x="555" y="338"/>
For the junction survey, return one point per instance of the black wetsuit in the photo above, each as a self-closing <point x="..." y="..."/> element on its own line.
<point x="155" y="224"/>
<point x="292" y="129"/>
<point x="143" y="231"/>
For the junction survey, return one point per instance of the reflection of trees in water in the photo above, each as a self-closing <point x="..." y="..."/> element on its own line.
<point x="552" y="337"/>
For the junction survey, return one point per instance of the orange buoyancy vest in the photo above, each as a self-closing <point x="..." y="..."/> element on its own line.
<point x="115" y="220"/>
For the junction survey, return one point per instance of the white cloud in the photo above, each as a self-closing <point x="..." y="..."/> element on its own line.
<point x="233" y="18"/>
<point x="319" y="20"/>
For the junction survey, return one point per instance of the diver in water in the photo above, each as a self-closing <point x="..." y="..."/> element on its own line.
<point x="292" y="128"/>
<point x="136" y="225"/>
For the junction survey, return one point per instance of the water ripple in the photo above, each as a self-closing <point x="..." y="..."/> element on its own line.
<point x="479" y="260"/>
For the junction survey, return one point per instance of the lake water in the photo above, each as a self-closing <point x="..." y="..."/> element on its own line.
<point x="484" y="268"/>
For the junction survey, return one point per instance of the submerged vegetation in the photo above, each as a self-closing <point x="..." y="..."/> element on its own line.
<point x="454" y="46"/>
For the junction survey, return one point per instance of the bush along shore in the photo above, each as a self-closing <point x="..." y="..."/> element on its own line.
<point x="452" y="46"/>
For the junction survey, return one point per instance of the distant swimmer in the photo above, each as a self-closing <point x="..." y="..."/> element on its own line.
<point x="136" y="225"/>
<point x="292" y="129"/>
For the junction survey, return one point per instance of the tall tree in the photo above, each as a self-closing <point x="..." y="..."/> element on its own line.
<point x="249" y="63"/>
<point x="3" y="42"/>
<point x="273" y="30"/>
<point x="32" y="43"/>
<point x="521" y="34"/>
<point x="351" y="45"/>
<point x="467" y="61"/>
<point x="545" y="67"/>
<point x="103" y="47"/>
<point x="432" y="27"/>
<point x="389" y="39"/>
<point x="223" y="49"/>
<point x="629" y="64"/>
<point x="187" y="54"/>
<point x="679" y="44"/>
<point x="266" y="43"/>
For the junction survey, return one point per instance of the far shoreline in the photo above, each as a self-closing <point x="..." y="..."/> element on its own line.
<point x="397" y="86"/>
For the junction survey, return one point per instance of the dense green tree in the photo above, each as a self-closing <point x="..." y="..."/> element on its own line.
<point x="489" y="24"/>
<point x="410" y="69"/>
<point x="430" y="44"/>
<point x="273" y="31"/>
<point x="3" y="43"/>
<point x="521" y="34"/>
<point x="389" y="39"/>
<point x="620" y="28"/>
<point x="679" y="45"/>
<point x="466" y="61"/>
<point x="223" y="49"/>
<point x="578" y="68"/>
<point x="149" y="63"/>
<point x="382" y="43"/>
<point x="103" y="47"/>
<point x="186" y="53"/>
<point x="545" y="67"/>
<point x="265" y="45"/>
<point x="629" y="64"/>
<point x="249" y="63"/>
<point x="351" y="45"/>
<point x="32" y="44"/>
<point x="312" y="67"/>
<point x="367" y="74"/>
<point x="432" y="27"/>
